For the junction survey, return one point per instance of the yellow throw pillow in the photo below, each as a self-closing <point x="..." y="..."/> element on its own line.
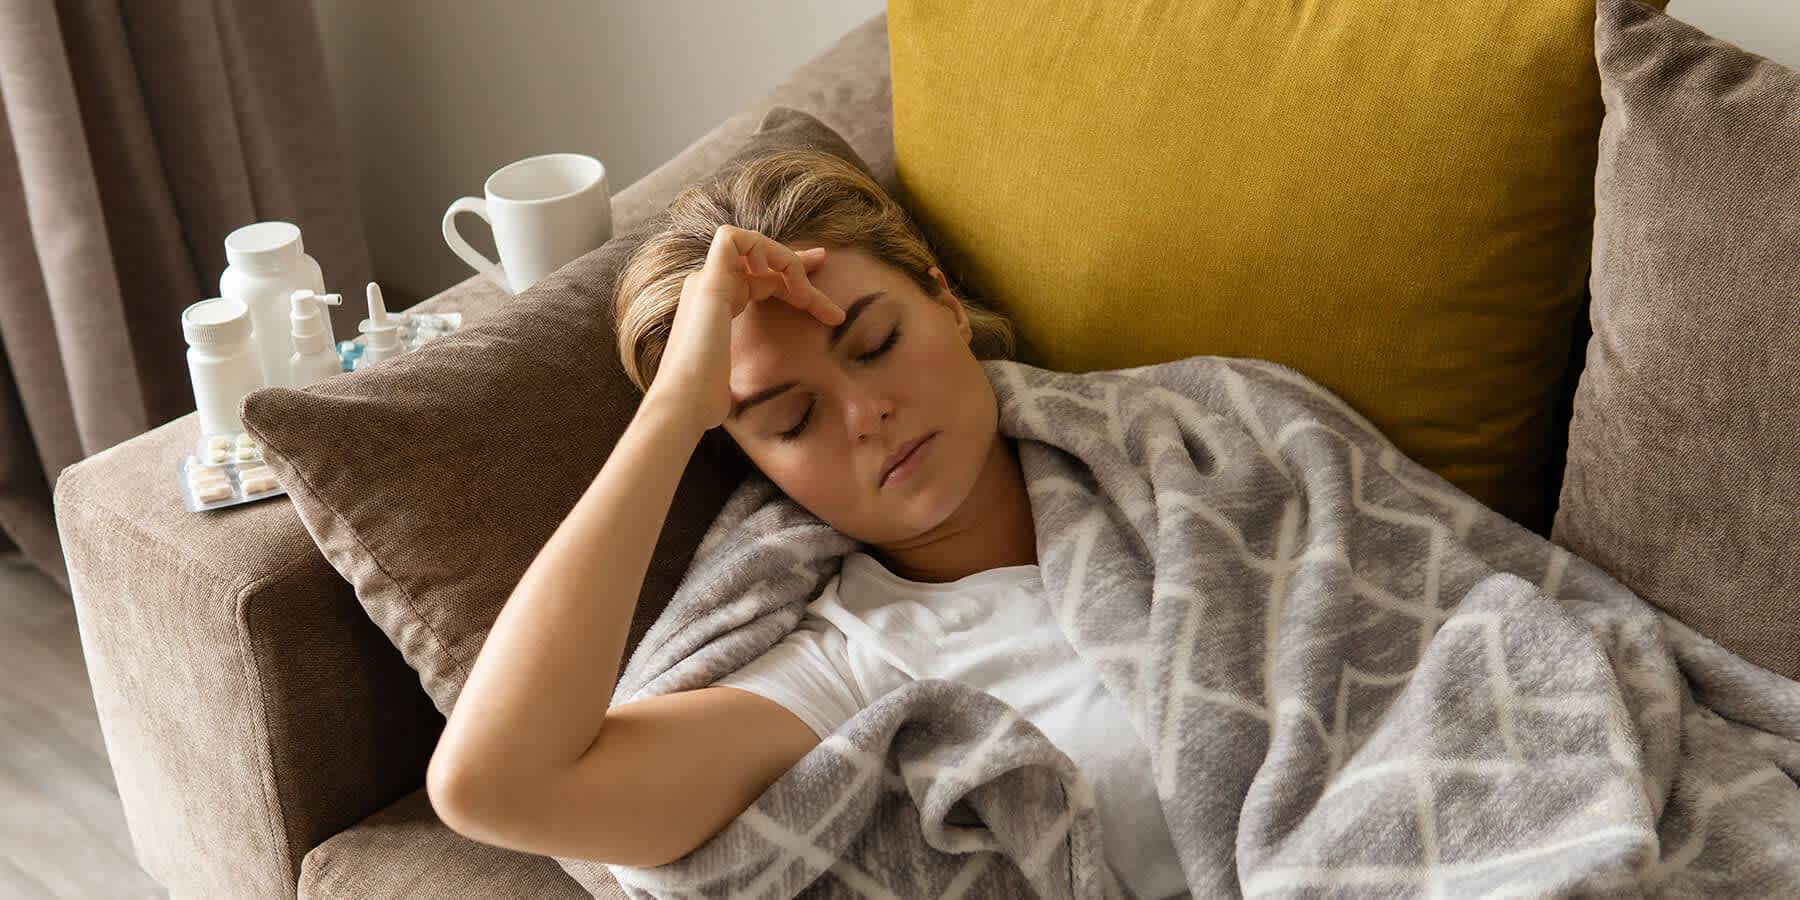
<point x="1395" y="197"/>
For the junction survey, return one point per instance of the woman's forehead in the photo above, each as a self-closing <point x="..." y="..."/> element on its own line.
<point x="771" y="337"/>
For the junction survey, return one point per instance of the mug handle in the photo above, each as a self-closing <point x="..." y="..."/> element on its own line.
<point x="493" y="270"/>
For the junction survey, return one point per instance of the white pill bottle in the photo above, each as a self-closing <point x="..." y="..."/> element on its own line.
<point x="268" y="263"/>
<point x="221" y="362"/>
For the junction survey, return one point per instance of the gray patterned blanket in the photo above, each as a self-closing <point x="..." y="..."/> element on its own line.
<point x="1355" y="680"/>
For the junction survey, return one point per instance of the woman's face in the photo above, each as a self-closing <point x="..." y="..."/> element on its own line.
<point x="899" y="367"/>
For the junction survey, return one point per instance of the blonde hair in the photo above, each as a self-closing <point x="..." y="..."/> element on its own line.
<point x="788" y="196"/>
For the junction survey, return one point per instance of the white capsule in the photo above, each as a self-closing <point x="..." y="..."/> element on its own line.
<point x="259" y="483"/>
<point x="207" y="492"/>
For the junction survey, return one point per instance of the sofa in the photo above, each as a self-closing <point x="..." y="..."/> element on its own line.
<point x="267" y="739"/>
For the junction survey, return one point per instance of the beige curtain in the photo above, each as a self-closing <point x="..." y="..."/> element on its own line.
<point x="137" y="135"/>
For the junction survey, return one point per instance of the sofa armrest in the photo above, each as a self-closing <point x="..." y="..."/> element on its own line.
<point x="250" y="708"/>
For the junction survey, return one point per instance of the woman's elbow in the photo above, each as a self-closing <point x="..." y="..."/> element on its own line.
<point x="484" y="807"/>
<point x="470" y="800"/>
<point x="447" y="787"/>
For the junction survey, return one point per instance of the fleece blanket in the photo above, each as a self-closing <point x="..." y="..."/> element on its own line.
<point x="1354" y="678"/>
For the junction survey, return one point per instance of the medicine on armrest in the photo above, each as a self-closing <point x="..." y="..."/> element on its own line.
<point x="225" y="470"/>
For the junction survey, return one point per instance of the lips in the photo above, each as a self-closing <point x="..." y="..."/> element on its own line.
<point x="900" y="455"/>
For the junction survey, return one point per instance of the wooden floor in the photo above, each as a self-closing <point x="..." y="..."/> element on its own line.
<point x="62" y="831"/>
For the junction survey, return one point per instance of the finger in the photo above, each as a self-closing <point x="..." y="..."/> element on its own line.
<point x="802" y="292"/>
<point x="759" y="258"/>
<point x="735" y="241"/>
<point x="804" y="295"/>
<point x="723" y="254"/>
<point x="730" y="241"/>
<point x="821" y="305"/>
<point x="814" y="257"/>
<point x="799" y="290"/>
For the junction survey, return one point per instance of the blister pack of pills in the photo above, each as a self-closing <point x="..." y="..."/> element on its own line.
<point x="421" y="328"/>
<point x="415" y="331"/>
<point x="225" y="470"/>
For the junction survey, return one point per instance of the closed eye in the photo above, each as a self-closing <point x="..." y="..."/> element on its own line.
<point x="794" y="432"/>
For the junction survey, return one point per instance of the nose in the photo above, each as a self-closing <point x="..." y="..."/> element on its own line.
<point x="866" y="412"/>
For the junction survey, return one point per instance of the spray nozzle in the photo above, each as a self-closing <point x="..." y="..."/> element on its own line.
<point x="310" y="328"/>
<point x="381" y="332"/>
<point x="302" y="309"/>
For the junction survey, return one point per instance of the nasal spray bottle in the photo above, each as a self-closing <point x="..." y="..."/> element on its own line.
<point x="381" y="332"/>
<point x="315" y="354"/>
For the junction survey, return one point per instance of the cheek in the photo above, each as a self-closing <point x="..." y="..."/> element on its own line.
<point x="937" y="360"/>
<point x="950" y="376"/>
<point x="818" y="480"/>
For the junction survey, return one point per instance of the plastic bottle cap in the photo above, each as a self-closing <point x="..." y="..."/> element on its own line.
<point x="215" y="322"/>
<point x="265" y="246"/>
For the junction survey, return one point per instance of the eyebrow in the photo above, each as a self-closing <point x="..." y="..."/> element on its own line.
<point x="837" y="334"/>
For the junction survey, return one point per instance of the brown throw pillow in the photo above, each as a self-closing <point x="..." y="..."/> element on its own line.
<point x="432" y="480"/>
<point x="1683" y="474"/>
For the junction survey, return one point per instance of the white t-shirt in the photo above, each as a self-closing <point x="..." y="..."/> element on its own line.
<point x="871" y="631"/>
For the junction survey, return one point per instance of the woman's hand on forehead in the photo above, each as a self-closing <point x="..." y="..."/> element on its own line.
<point x="741" y="266"/>
<point x="773" y="269"/>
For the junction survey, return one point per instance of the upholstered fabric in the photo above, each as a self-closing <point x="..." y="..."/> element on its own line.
<point x="405" y="852"/>
<point x="1393" y="197"/>
<point x="1683" y="476"/>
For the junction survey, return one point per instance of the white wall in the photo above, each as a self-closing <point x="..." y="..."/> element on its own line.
<point x="435" y="94"/>
<point x="1768" y="27"/>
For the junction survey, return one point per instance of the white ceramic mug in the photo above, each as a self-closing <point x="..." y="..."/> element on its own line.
<point x="544" y="211"/>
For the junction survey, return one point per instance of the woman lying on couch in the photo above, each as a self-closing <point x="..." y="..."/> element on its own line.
<point x="1351" y="673"/>
<point x="795" y="304"/>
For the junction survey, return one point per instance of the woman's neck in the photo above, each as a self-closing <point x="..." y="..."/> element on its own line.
<point x="992" y="528"/>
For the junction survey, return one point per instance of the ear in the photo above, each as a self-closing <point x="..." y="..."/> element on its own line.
<point x="950" y="301"/>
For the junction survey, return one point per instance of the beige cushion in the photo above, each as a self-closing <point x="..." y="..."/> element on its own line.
<point x="1683" y="475"/>
<point x="404" y="851"/>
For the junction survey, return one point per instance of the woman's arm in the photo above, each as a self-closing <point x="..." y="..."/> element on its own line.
<point x="524" y="760"/>
<point x="542" y="681"/>
<point x="533" y="760"/>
